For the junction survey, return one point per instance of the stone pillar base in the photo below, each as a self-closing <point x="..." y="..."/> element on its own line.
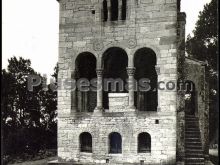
<point x="98" y="111"/>
<point x="180" y="163"/>
<point x="208" y="162"/>
<point x="131" y="109"/>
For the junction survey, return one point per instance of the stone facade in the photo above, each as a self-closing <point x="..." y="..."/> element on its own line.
<point x="152" y="24"/>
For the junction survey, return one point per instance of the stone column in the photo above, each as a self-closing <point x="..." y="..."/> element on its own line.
<point x="131" y="71"/>
<point x="74" y="77"/>
<point x="109" y="10"/>
<point x="157" y="68"/>
<point x="119" y="9"/>
<point x="99" y="106"/>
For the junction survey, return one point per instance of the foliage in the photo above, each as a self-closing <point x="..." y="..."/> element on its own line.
<point x="203" y="46"/>
<point x="28" y="117"/>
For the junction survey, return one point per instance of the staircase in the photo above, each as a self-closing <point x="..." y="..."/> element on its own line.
<point x="193" y="146"/>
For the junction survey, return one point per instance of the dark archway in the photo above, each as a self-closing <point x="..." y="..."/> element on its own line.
<point x="144" y="142"/>
<point x="85" y="142"/>
<point x="115" y="143"/>
<point x="86" y="70"/>
<point x="190" y="98"/>
<point x="115" y="61"/>
<point x="145" y="61"/>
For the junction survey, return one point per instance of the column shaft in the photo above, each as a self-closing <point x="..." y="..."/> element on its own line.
<point x="73" y="92"/>
<point x="99" y="106"/>
<point x="131" y="71"/>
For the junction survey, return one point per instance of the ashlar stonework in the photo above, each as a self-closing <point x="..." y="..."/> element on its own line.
<point x="126" y="39"/>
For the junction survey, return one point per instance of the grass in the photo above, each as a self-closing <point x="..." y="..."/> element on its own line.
<point x="36" y="162"/>
<point x="213" y="155"/>
<point x="40" y="158"/>
<point x="214" y="159"/>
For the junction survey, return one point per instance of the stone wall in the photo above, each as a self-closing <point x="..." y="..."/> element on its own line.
<point x="129" y="125"/>
<point x="196" y="73"/>
<point x="181" y="94"/>
<point x="151" y="24"/>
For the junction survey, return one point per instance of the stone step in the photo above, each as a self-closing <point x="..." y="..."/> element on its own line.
<point x="192" y="128"/>
<point x="192" y="135"/>
<point x="194" y="155"/>
<point x="190" y="131"/>
<point x="191" y="125"/>
<point x="193" y="142"/>
<point x="189" y="115"/>
<point x="194" y="160"/>
<point x="192" y="147"/>
<point x="191" y="119"/>
<point x="194" y="151"/>
<point x="195" y="163"/>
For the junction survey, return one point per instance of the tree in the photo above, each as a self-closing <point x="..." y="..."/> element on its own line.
<point x="25" y="103"/>
<point x="203" y="46"/>
<point x="49" y="106"/>
<point x="24" y="111"/>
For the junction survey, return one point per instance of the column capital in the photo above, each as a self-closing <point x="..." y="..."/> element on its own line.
<point x="99" y="72"/>
<point x="131" y="71"/>
<point x="75" y="74"/>
<point x="157" y="68"/>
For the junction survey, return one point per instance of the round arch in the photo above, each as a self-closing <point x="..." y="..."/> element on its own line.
<point x="114" y="64"/>
<point x="155" y="49"/>
<point x="85" y="139"/>
<point x="85" y="67"/>
<point x="115" y="143"/>
<point x="77" y="53"/>
<point x="144" y="142"/>
<point x="85" y="64"/>
<point x="145" y="61"/>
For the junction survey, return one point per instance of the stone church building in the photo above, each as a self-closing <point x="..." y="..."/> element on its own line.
<point x="129" y="40"/>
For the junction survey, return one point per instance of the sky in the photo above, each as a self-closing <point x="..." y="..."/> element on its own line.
<point x="30" y="29"/>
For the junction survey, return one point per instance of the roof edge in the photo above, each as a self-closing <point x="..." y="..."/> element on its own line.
<point x="195" y="60"/>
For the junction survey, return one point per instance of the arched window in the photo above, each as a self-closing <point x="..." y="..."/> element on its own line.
<point x="105" y="10"/>
<point x="115" y="143"/>
<point x="114" y="10"/>
<point x="144" y="142"/>
<point x="114" y="61"/>
<point x="124" y="9"/>
<point x="145" y="62"/>
<point x="85" y="142"/>
<point x="86" y="70"/>
<point x="178" y="5"/>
